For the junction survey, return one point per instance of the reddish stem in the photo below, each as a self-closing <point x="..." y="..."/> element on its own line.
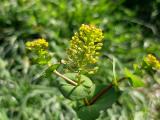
<point x="103" y="91"/>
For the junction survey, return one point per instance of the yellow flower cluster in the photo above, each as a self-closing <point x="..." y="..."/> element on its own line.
<point x="37" y="44"/>
<point x="38" y="51"/>
<point x="152" y="61"/>
<point x="85" y="46"/>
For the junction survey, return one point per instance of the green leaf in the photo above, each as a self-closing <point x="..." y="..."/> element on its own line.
<point x="93" y="111"/>
<point x="85" y="89"/>
<point x="50" y="69"/>
<point x="135" y="80"/>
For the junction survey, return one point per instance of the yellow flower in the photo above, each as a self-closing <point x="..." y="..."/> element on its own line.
<point x="152" y="61"/>
<point x="85" y="46"/>
<point x="38" y="51"/>
<point x="37" y="44"/>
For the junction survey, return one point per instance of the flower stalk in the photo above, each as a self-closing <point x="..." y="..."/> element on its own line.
<point x="65" y="78"/>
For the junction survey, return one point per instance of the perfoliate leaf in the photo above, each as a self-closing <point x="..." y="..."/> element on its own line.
<point x="135" y="80"/>
<point x="85" y="89"/>
<point x="93" y="111"/>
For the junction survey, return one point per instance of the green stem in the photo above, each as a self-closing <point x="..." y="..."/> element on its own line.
<point x="79" y="77"/>
<point x="65" y="78"/>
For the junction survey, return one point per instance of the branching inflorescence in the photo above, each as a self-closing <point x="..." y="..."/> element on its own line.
<point x="84" y="48"/>
<point x="152" y="61"/>
<point x="39" y="51"/>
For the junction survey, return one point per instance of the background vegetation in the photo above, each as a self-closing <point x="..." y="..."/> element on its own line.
<point x="131" y="30"/>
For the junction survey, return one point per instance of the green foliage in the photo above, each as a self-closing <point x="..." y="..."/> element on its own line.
<point x="131" y="30"/>
<point x="50" y="69"/>
<point x="93" y="111"/>
<point x="135" y="80"/>
<point x="84" y="90"/>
